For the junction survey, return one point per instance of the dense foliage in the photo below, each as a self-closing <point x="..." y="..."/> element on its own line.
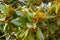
<point x="30" y="20"/>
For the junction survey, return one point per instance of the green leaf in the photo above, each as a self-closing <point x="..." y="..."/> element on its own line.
<point x="29" y="18"/>
<point x="53" y="8"/>
<point x="7" y="28"/>
<point x="3" y="8"/>
<point x="2" y="17"/>
<point x="26" y="34"/>
<point x="31" y="36"/>
<point x="34" y="25"/>
<point x="22" y="33"/>
<point x="29" y="25"/>
<point x="32" y="1"/>
<point x="39" y="35"/>
<point x="50" y="25"/>
<point x="1" y="26"/>
<point x="21" y="22"/>
<point x="19" y="13"/>
<point x="16" y="22"/>
<point x="58" y="23"/>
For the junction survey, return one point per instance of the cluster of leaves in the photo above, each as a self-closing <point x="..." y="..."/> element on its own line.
<point x="30" y="21"/>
